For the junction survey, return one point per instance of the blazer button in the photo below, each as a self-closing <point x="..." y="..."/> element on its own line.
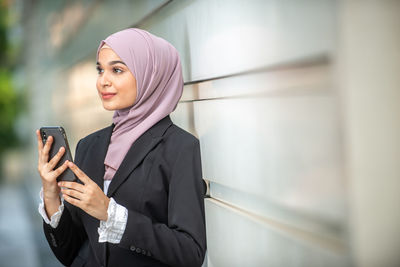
<point x="138" y="250"/>
<point x="143" y="252"/>
<point x="133" y="248"/>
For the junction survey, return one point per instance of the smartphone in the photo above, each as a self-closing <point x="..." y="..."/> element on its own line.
<point x="59" y="140"/>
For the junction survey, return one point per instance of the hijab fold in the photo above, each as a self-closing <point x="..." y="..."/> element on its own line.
<point x="155" y="64"/>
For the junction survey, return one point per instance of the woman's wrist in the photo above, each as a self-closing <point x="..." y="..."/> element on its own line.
<point x="51" y="199"/>
<point x="51" y="205"/>
<point x="105" y="214"/>
<point x="51" y="192"/>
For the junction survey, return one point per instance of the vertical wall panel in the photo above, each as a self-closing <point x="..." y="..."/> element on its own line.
<point x="369" y="65"/>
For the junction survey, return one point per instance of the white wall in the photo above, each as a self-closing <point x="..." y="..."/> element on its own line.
<point x="261" y="98"/>
<point x="368" y="69"/>
<point x="295" y="104"/>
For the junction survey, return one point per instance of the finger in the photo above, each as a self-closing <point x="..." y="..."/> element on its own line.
<point x="46" y="149"/>
<point x="73" y="201"/>
<point x="72" y="185"/>
<point x="72" y="193"/>
<point x="57" y="172"/>
<point x="53" y="162"/>
<point x="81" y="175"/>
<point x="39" y="141"/>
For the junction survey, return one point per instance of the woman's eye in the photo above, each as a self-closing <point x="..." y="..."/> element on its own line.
<point x="99" y="70"/>
<point x="117" y="70"/>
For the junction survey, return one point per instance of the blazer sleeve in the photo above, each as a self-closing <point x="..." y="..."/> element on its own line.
<point x="181" y="242"/>
<point x="67" y="238"/>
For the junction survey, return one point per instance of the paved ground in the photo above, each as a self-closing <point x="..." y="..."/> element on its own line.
<point x="22" y="242"/>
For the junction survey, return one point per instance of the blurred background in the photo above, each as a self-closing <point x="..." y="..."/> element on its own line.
<point x="296" y="105"/>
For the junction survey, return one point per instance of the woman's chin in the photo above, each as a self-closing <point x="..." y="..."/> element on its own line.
<point x="108" y="107"/>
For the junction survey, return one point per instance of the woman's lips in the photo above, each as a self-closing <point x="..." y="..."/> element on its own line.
<point x="107" y="95"/>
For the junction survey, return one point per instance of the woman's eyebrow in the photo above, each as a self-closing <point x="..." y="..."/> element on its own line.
<point x="112" y="62"/>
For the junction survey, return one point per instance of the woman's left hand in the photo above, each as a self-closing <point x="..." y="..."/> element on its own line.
<point x="87" y="196"/>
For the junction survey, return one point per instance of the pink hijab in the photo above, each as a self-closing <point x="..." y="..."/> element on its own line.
<point x="155" y="63"/>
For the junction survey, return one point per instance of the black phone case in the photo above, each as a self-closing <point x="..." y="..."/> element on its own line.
<point x="59" y="140"/>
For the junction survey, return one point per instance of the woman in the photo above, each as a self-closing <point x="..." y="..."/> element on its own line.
<point x="140" y="200"/>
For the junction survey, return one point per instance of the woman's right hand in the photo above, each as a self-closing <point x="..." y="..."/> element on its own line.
<point x="51" y="191"/>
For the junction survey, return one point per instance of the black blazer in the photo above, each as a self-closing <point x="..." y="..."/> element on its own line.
<point x="160" y="183"/>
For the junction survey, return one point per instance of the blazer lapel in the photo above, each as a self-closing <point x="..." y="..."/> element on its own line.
<point x="99" y="149"/>
<point x="95" y="171"/>
<point x="140" y="148"/>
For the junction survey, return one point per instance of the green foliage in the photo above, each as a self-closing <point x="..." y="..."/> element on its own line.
<point x="8" y="111"/>
<point x="3" y="33"/>
<point x="8" y="97"/>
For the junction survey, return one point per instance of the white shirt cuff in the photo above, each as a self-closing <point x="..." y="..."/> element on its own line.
<point x="112" y="230"/>
<point x="55" y="218"/>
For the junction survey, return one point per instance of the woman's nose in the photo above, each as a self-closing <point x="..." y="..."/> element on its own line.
<point x="104" y="81"/>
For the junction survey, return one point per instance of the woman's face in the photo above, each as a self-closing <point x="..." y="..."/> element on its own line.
<point x="115" y="84"/>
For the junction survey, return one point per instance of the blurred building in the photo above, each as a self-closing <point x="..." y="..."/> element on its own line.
<point x="296" y="105"/>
